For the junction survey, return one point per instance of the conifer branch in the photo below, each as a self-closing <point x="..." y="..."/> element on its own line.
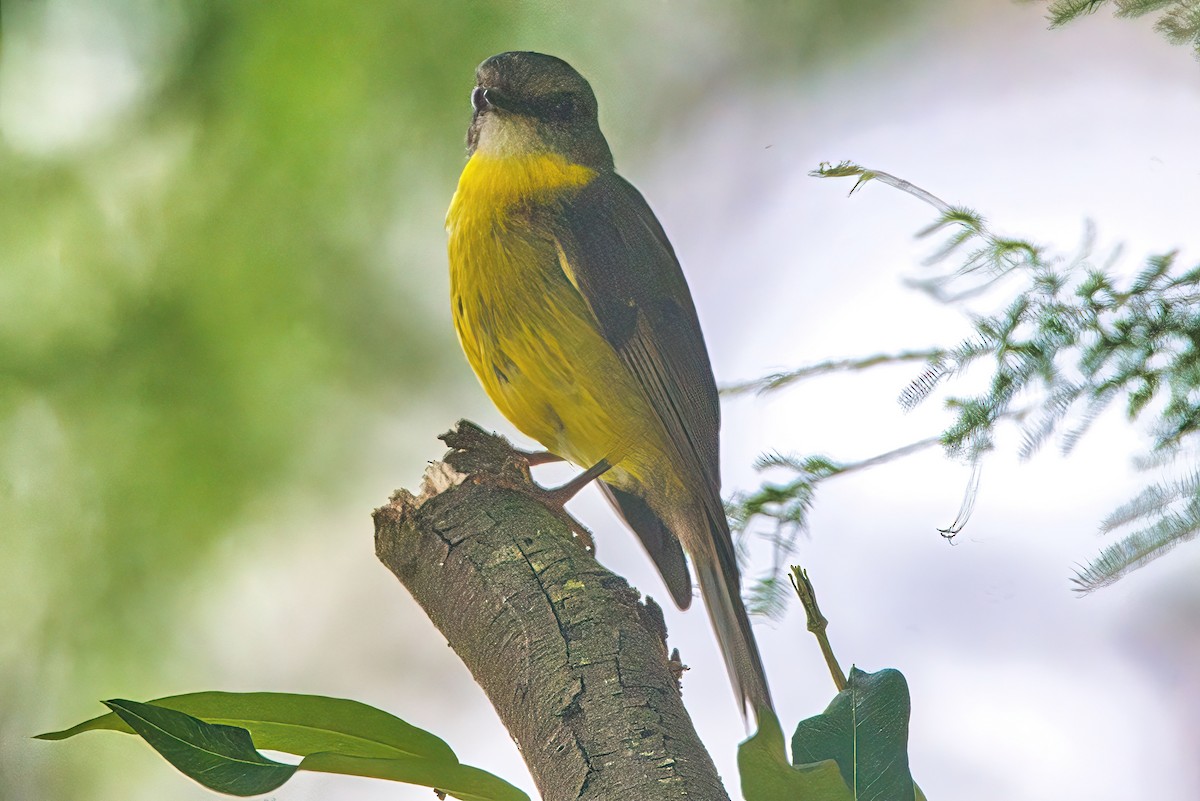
<point x="1071" y="340"/>
<point x="1061" y="12"/>
<point x="1179" y="20"/>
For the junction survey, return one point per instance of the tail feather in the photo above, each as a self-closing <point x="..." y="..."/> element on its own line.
<point x="723" y="601"/>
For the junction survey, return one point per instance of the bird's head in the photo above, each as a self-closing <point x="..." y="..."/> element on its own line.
<point x="527" y="103"/>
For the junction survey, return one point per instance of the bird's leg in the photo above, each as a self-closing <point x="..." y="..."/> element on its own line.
<point x="561" y="494"/>
<point x="539" y="457"/>
<point x="488" y="458"/>
<point x="555" y="500"/>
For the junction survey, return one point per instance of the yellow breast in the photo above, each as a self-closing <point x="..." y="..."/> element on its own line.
<point x="526" y="330"/>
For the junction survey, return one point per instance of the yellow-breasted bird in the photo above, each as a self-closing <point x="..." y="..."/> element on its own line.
<point x="574" y="313"/>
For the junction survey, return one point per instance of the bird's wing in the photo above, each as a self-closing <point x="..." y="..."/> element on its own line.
<point x="617" y="255"/>
<point x="658" y="540"/>
<point x="614" y="251"/>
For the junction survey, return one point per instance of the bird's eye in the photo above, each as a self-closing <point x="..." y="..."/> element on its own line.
<point x="563" y="109"/>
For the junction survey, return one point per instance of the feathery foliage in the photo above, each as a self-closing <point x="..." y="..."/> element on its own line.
<point x="786" y="505"/>
<point x="1071" y="339"/>
<point x="1178" y="21"/>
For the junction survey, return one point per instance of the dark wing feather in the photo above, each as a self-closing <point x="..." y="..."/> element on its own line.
<point x="626" y="270"/>
<point x="658" y="541"/>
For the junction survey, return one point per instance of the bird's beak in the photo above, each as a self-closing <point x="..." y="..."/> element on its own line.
<point x="491" y="98"/>
<point x="480" y="100"/>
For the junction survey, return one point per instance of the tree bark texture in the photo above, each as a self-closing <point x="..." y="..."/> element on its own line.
<point x="574" y="662"/>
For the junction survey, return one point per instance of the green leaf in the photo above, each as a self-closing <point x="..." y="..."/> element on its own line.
<point x="333" y="735"/>
<point x="222" y="758"/>
<point x="461" y="781"/>
<point x="865" y="731"/>
<point x="766" y="775"/>
<point x="295" y="724"/>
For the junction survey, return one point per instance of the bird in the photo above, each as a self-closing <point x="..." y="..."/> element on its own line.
<point x="574" y="313"/>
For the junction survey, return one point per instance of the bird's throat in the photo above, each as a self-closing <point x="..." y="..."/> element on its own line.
<point x="491" y="184"/>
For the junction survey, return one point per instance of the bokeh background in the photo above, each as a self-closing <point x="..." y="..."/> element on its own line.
<point x="224" y="339"/>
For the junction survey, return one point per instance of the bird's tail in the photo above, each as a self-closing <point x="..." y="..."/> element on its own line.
<point x="723" y="600"/>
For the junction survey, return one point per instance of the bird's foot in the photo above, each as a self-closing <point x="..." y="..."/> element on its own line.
<point x="491" y="459"/>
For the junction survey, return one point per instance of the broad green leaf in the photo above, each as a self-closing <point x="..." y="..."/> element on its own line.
<point x="222" y="758"/>
<point x="865" y="731"/>
<point x="461" y="781"/>
<point x="295" y="724"/>
<point x="333" y="735"/>
<point x="766" y="775"/>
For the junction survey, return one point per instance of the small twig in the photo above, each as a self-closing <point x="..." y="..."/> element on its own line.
<point x="817" y="622"/>
<point x="847" y="169"/>
<point x="968" y="503"/>
<point x="780" y="380"/>
<point x="887" y="456"/>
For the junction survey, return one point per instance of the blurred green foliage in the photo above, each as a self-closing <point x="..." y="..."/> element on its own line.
<point x="222" y="263"/>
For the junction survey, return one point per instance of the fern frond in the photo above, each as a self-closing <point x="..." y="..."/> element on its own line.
<point x="1099" y="401"/>
<point x="1052" y="412"/>
<point x="1181" y="25"/>
<point x="1138" y="8"/>
<point x="766" y="461"/>
<point x="1061" y="12"/>
<point x="768" y="597"/>
<point x="1136" y="550"/>
<point x="922" y="386"/>
<point x="1151" y="500"/>
<point x="1156" y="267"/>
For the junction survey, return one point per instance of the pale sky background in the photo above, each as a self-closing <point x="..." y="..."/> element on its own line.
<point x="1020" y="690"/>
